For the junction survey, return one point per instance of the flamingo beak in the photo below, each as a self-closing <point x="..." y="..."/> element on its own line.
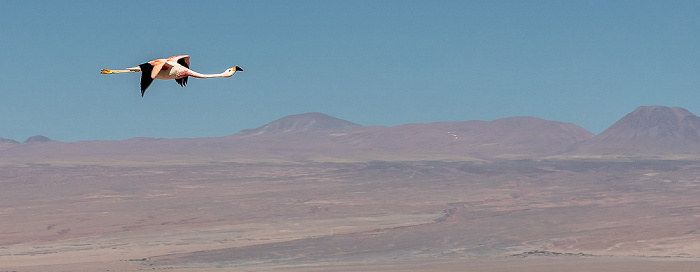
<point x="236" y="68"/>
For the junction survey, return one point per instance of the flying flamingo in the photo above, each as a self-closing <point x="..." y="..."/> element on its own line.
<point x="175" y="67"/>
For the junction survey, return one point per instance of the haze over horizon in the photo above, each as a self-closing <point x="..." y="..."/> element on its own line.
<point x="373" y="63"/>
<point x="330" y="123"/>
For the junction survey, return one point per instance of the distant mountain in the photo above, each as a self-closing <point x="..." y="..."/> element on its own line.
<point x="515" y="137"/>
<point x="653" y="131"/>
<point x="302" y="122"/>
<point x="7" y="143"/>
<point x="38" y="139"/>
<point x="319" y="137"/>
<point x="655" y="122"/>
<point x="648" y="130"/>
<point x="3" y="140"/>
<point x="508" y="138"/>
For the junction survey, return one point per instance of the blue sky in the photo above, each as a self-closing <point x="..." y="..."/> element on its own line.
<point x="370" y="62"/>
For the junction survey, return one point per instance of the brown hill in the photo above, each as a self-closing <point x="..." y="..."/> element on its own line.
<point x="4" y="140"/>
<point x="648" y="130"/>
<point x="38" y="139"/>
<point x="302" y="122"/>
<point x="516" y="137"/>
<point x="319" y="137"/>
<point x="513" y="137"/>
<point x="7" y="143"/>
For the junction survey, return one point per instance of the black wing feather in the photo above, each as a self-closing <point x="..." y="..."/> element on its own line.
<point x="182" y="62"/>
<point x="146" y="79"/>
<point x="182" y="81"/>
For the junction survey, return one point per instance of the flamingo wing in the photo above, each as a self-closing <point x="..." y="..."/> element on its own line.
<point x="146" y="79"/>
<point x="183" y="60"/>
<point x="182" y="81"/>
<point x="156" y="69"/>
<point x="150" y="70"/>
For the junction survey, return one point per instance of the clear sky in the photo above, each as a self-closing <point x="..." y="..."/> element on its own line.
<point x="369" y="62"/>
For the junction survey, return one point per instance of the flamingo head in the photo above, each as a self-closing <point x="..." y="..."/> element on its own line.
<point x="230" y="71"/>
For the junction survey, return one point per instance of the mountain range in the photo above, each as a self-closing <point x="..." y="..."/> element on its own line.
<point x="647" y="132"/>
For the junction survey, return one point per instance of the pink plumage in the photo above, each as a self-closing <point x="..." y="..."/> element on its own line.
<point x="175" y="67"/>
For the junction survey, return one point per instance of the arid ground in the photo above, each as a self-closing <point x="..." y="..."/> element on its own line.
<point x="511" y="215"/>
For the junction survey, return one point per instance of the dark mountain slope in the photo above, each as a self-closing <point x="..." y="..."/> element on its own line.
<point x="302" y="122"/>
<point x="648" y="130"/>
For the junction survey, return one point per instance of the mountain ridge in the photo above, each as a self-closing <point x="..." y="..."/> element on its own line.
<point x="302" y="122"/>
<point x="38" y="139"/>
<point x="649" y="131"/>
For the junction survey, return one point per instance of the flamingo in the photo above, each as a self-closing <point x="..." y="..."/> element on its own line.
<point x="175" y="67"/>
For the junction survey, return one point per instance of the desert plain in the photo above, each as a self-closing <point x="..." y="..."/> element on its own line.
<point x="315" y="193"/>
<point x="509" y="215"/>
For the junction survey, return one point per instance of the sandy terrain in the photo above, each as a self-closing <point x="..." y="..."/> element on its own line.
<point x="378" y="216"/>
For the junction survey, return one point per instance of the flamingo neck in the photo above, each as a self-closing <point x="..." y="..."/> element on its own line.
<point x="200" y="75"/>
